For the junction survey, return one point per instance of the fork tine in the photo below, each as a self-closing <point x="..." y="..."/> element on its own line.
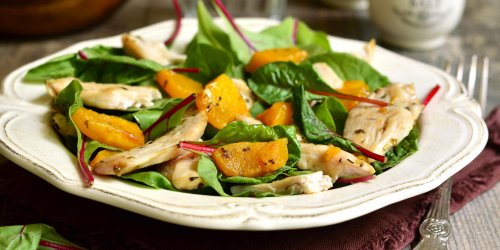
<point x="471" y="83"/>
<point x="483" y="88"/>
<point x="447" y="67"/>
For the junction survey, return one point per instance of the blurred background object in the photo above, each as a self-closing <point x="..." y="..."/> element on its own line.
<point x="416" y="24"/>
<point x="348" y="4"/>
<point x="274" y="9"/>
<point x="29" y="18"/>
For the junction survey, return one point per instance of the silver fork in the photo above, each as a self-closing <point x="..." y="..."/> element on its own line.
<point x="435" y="230"/>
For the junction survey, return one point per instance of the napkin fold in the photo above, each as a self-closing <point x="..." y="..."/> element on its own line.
<point x="27" y="199"/>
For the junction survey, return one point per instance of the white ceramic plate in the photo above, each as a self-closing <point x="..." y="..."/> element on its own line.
<point x="452" y="134"/>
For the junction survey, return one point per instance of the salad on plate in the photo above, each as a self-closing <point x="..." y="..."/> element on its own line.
<point x="236" y="113"/>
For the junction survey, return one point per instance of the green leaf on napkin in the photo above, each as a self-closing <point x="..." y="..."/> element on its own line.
<point x="34" y="236"/>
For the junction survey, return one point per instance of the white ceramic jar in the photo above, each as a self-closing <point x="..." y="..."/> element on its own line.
<point x="416" y="24"/>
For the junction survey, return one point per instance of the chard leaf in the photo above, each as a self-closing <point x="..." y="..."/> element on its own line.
<point x="145" y="118"/>
<point x="104" y="65"/>
<point x="208" y="173"/>
<point x="256" y="180"/>
<point x="274" y="82"/>
<point x="332" y="113"/>
<point x="29" y="237"/>
<point x="92" y="146"/>
<point x="58" y="67"/>
<point x="312" y="128"/>
<point x="211" y="61"/>
<point x="150" y="178"/>
<point x="349" y="67"/>
<point x="407" y="147"/>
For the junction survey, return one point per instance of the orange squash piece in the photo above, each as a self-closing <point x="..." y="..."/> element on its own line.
<point x="251" y="159"/>
<point x="222" y="101"/>
<point x="101" y="156"/>
<point x="107" y="129"/>
<point x="355" y="88"/>
<point x="260" y="58"/>
<point x="177" y="85"/>
<point x="280" y="113"/>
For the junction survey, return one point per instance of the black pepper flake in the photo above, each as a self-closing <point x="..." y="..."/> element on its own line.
<point x="340" y="160"/>
<point x="246" y="149"/>
<point x="165" y="83"/>
<point x="124" y="88"/>
<point x="224" y="153"/>
<point x="349" y="160"/>
<point x="358" y="131"/>
<point x="220" y="98"/>
<point x="271" y="161"/>
<point x="86" y="123"/>
<point x="193" y="178"/>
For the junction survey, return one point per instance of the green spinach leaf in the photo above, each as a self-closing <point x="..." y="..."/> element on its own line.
<point x="150" y="178"/>
<point x="407" y="147"/>
<point x="208" y="173"/>
<point x="332" y="113"/>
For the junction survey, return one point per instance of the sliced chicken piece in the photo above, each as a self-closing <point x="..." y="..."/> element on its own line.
<point x="332" y="161"/>
<point x="378" y="129"/>
<point x="183" y="171"/>
<point x="245" y="92"/>
<point x="328" y="76"/>
<point x="370" y="50"/>
<point x="300" y="184"/>
<point x="141" y="48"/>
<point x="108" y="96"/>
<point x="158" y="151"/>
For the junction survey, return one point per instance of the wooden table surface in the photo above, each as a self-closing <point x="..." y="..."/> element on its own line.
<point x="477" y="225"/>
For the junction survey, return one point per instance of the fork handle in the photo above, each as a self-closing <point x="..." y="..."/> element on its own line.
<point x="435" y="234"/>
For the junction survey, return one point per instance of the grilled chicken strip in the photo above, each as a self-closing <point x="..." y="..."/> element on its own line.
<point x="332" y="161"/>
<point x="183" y="171"/>
<point x="140" y="48"/>
<point x="108" y="96"/>
<point x="245" y="92"/>
<point x="160" y="150"/>
<point x="300" y="184"/>
<point x="380" y="128"/>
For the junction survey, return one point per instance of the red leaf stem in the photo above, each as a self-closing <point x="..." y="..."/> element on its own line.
<point x="295" y="29"/>
<point x="171" y="112"/>
<point x="188" y="70"/>
<point x="195" y="147"/>
<point x="369" y="153"/>
<point x="233" y="24"/>
<point x="82" y="55"/>
<point x="56" y="246"/>
<point x="178" y="22"/>
<point x="350" y="97"/>
<point x="431" y="94"/>
<point x="356" y="179"/>
<point x="84" y="168"/>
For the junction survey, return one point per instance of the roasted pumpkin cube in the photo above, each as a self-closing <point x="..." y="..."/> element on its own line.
<point x="177" y="85"/>
<point x="261" y="58"/>
<point x="251" y="159"/>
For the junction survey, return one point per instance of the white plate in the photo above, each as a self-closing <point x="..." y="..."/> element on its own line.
<point x="452" y="135"/>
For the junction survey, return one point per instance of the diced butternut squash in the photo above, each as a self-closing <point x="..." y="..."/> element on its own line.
<point x="251" y="159"/>
<point x="222" y="101"/>
<point x="101" y="156"/>
<point x="355" y="88"/>
<point x="177" y="85"/>
<point x="261" y="58"/>
<point x="107" y="129"/>
<point x="280" y="113"/>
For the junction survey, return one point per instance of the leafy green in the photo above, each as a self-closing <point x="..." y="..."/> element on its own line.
<point x="151" y="178"/>
<point x="211" y="61"/>
<point x="67" y="102"/>
<point x="29" y="236"/>
<point x="146" y="117"/>
<point x="312" y="128"/>
<point x="92" y="146"/>
<point x="332" y="113"/>
<point x="274" y="82"/>
<point x="104" y="65"/>
<point x="349" y="67"/>
<point x="58" y="67"/>
<point x="407" y="147"/>
<point x="255" y="180"/>
<point x="208" y="173"/>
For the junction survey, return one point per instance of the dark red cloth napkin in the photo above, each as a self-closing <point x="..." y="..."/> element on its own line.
<point x="27" y="199"/>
